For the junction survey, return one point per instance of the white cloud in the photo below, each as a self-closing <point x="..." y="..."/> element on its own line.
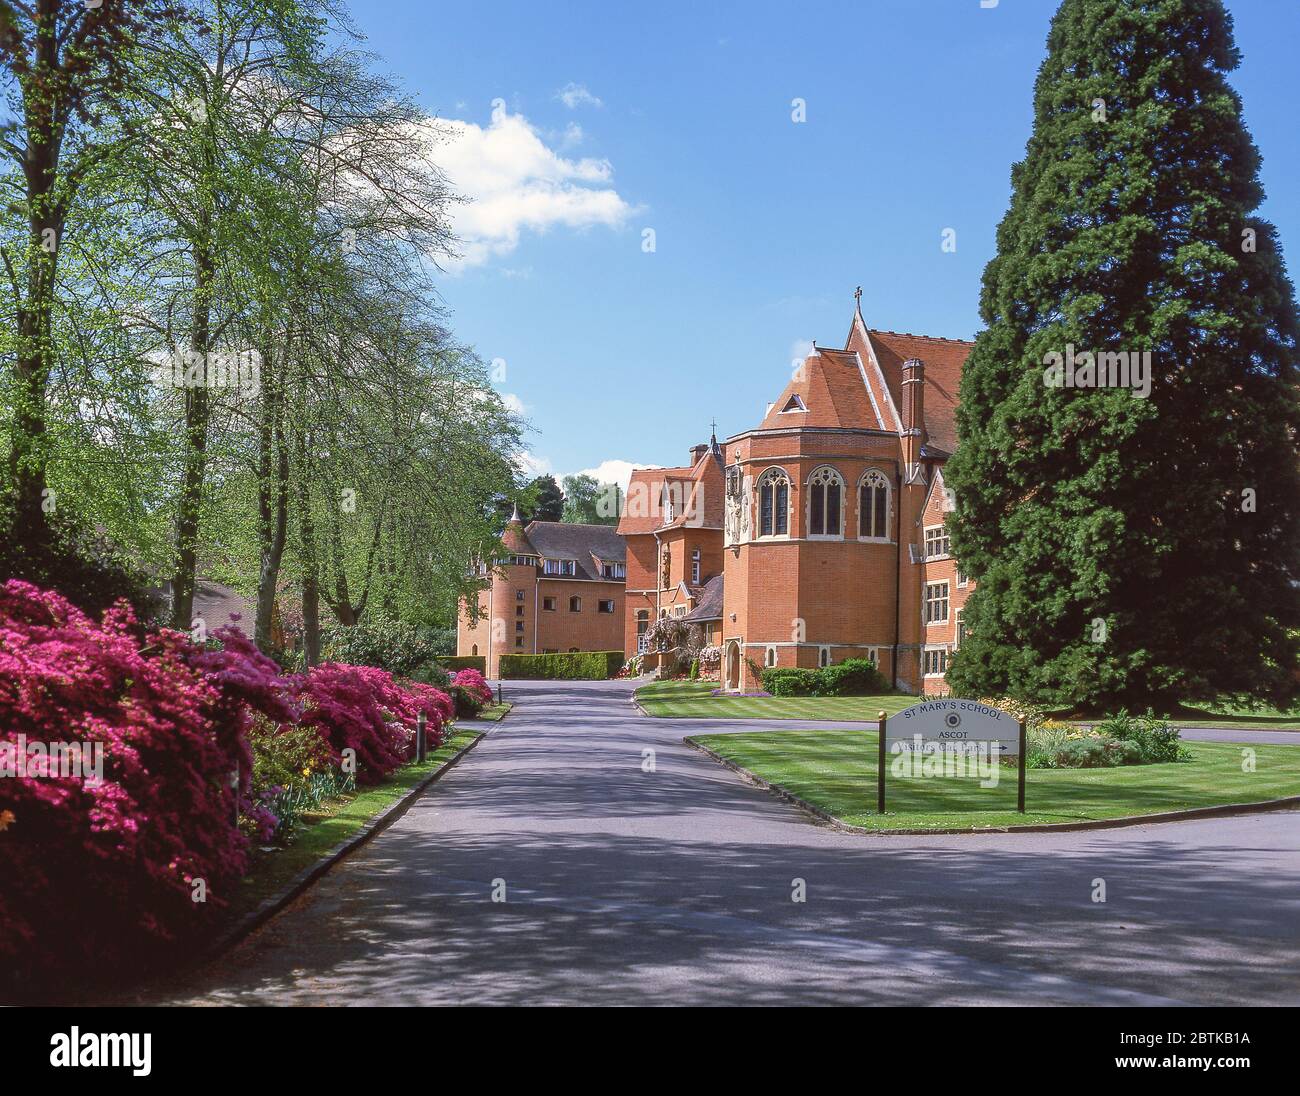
<point x="514" y="404"/>
<point x="614" y="471"/>
<point x="576" y="95"/>
<point x="531" y="465"/>
<point x="516" y="182"/>
<point x="800" y="349"/>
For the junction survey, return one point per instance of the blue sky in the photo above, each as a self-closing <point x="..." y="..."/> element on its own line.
<point x="609" y="122"/>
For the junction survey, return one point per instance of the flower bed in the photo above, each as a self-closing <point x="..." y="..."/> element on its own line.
<point x="136" y="766"/>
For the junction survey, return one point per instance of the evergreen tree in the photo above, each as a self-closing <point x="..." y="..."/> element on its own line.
<point x="1132" y="550"/>
<point x="549" y="500"/>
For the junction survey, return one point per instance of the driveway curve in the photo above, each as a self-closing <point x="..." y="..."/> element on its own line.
<point x="674" y="886"/>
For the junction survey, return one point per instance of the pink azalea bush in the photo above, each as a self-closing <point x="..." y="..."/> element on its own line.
<point x="96" y="874"/>
<point x="471" y="691"/>
<point x="363" y="709"/>
<point x="101" y="868"/>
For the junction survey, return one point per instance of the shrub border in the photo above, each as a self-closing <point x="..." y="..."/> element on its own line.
<point x="781" y="792"/>
<point x="305" y="878"/>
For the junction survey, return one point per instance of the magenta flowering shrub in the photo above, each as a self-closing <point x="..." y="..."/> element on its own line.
<point x="471" y="691"/>
<point x="473" y="682"/>
<point x="96" y="871"/>
<point x="364" y="709"/>
<point x="104" y="861"/>
<point x="437" y="707"/>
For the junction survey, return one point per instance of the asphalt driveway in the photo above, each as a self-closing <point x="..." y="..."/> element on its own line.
<point x="674" y="886"/>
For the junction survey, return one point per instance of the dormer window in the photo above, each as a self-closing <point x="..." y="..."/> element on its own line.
<point x="560" y="567"/>
<point x="794" y="403"/>
<point x="613" y="570"/>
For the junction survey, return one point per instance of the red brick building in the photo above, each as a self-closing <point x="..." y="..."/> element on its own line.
<point x="672" y="527"/>
<point x="834" y="543"/>
<point x="559" y="587"/>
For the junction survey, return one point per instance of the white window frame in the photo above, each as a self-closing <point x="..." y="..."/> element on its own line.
<point x="962" y="578"/>
<point x="959" y="629"/>
<point x="939" y="649"/>
<point x="829" y="475"/>
<point x="769" y="657"/>
<point x="877" y="478"/>
<point x="578" y="599"/>
<point x="945" y="597"/>
<point x="941" y="537"/>
<point x="696" y="558"/>
<point x="548" y="608"/>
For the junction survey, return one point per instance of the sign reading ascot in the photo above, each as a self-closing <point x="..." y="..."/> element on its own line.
<point x="952" y="726"/>
<point x="953" y="723"/>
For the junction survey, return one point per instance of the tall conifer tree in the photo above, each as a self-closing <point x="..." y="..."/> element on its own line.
<point x="1132" y="550"/>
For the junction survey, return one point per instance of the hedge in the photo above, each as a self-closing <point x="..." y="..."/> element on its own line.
<point x="573" y="666"/>
<point x="464" y="662"/>
<point x="852" y="677"/>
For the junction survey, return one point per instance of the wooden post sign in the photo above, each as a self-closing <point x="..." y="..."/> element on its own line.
<point x="950" y="736"/>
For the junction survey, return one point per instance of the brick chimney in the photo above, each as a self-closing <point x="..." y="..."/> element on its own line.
<point x="914" y="395"/>
<point x="697" y="453"/>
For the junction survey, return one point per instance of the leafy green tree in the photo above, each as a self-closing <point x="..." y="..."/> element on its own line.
<point x="64" y="68"/>
<point x="589" y="502"/>
<point x="1132" y="550"/>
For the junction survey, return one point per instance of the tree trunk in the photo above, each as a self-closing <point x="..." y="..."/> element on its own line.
<point x="28" y="456"/>
<point x="310" y="564"/>
<point x="197" y="416"/>
<point x="272" y="493"/>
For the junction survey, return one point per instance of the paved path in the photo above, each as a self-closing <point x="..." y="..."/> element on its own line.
<point x="674" y="887"/>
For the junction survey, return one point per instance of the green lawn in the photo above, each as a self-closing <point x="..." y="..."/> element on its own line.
<point x="835" y="770"/>
<point x="345" y="816"/>
<point x="494" y="713"/>
<point x="694" y="700"/>
<point x="1224" y="715"/>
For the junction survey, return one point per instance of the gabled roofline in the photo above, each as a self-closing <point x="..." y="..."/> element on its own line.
<point x="875" y="361"/>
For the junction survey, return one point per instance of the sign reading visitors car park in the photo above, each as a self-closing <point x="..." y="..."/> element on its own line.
<point x="951" y="737"/>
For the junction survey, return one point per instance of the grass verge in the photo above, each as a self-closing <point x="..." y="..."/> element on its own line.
<point x="695" y="700"/>
<point x="342" y="818"/>
<point x="835" y="771"/>
<point x="495" y="713"/>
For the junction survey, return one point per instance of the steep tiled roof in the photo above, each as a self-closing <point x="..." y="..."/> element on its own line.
<point x="943" y="360"/>
<point x="709" y="604"/>
<point x="585" y="543"/>
<point x="702" y="504"/>
<point x="515" y="539"/>
<point x="830" y="388"/>
<point x="697" y="491"/>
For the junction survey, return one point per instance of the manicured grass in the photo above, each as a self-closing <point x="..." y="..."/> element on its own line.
<point x="835" y="770"/>
<point x="345" y="816"/>
<point x="495" y="713"/>
<point x="1223" y="715"/>
<point x="693" y="700"/>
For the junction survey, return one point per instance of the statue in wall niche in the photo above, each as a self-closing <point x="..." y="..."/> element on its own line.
<point x="736" y="517"/>
<point x="667" y="568"/>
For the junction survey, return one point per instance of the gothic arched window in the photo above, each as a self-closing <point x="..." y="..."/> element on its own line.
<point x="773" y="503"/>
<point x="825" y="503"/>
<point x="873" y="506"/>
